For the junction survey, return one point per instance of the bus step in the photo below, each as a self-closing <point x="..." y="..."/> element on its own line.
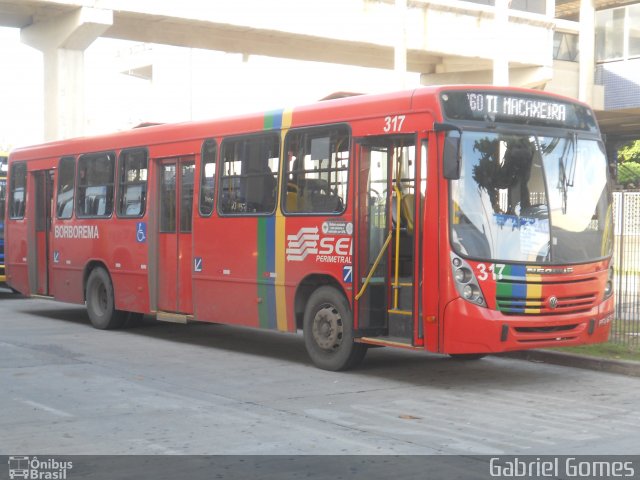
<point x="405" y="293"/>
<point x="400" y="324"/>
<point x="388" y="342"/>
<point x="173" y="317"/>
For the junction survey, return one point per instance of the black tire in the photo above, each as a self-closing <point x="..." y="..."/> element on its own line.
<point x="100" y="301"/>
<point x="328" y="331"/>
<point x="467" y="356"/>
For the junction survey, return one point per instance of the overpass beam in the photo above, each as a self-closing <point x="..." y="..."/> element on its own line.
<point x="501" y="60"/>
<point x="400" y="48"/>
<point x="529" y="77"/>
<point x="62" y="41"/>
<point x="586" y="49"/>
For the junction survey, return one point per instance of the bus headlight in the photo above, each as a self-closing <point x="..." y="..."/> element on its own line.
<point x="466" y="282"/>
<point x="608" y="288"/>
<point x="463" y="275"/>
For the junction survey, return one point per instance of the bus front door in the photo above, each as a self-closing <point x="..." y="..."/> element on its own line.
<point x="387" y="246"/>
<point x="40" y="264"/>
<point x="175" y="202"/>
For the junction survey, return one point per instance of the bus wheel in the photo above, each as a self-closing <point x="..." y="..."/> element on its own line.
<point x="328" y="331"/>
<point x="467" y="356"/>
<point x="100" y="302"/>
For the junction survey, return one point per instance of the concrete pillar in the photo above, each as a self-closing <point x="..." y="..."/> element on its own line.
<point x="62" y="41"/>
<point x="501" y="58"/>
<point x="550" y="8"/>
<point x="586" y="47"/>
<point x="400" y="48"/>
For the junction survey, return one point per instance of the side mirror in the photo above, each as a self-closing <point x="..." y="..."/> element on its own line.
<point x="451" y="154"/>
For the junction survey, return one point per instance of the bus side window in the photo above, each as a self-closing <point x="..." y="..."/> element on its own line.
<point x="317" y="171"/>
<point x="95" y="185"/>
<point x="66" y="184"/>
<point x="17" y="190"/>
<point x="132" y="182"/>
<point x="249" y="173"/>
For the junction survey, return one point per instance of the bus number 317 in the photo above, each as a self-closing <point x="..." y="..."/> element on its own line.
<point x="394" y="123"/>
<point x="496" y="270"/>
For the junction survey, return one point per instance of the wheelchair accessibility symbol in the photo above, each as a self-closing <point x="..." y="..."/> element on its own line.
<point x="141" y="232"/>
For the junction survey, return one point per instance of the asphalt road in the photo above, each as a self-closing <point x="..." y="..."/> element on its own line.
<point x="156" y="388"/>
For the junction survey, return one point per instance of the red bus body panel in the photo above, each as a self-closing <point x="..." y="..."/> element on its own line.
<point x="248" y="270"/>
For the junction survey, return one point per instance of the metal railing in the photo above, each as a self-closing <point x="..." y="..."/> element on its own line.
<point x="626" y="262"/>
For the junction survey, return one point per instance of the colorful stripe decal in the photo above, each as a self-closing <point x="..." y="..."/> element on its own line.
<point x="519" y="291"/>
<point x="273" y="119"/>
<point x="271" y="261"/>
<point x="266" y="272"/>
<point x="285" y="321"/>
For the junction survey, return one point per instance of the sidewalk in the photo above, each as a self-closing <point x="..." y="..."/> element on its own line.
<point x="624" y="367"/>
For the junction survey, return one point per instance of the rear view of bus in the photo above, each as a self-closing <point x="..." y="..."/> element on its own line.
<point x="530" y="222"/>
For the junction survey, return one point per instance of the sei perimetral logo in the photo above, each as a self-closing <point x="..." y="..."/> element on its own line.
<point x="38" y="469"/>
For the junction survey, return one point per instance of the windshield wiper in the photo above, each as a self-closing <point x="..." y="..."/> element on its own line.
<point x="574" y="160"/>
<point x="567" y="169"/>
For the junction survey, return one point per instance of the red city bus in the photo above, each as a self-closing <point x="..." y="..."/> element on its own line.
<point x="459" y="220"/>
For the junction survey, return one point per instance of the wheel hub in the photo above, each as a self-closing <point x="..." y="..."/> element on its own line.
<point x="327" y="327"/>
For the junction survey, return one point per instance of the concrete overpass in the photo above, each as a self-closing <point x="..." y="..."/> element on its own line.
<point x="354" y="32"/>
<point x="445" y="40"/>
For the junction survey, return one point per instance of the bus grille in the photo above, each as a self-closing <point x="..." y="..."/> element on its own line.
<point x="556" y="329"/>
<point x="540" y="305"/>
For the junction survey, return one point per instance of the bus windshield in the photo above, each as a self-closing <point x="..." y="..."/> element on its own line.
<point x="534" y="199"/>
<point x="3" y="190"/>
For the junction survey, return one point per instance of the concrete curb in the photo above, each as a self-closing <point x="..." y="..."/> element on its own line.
<point x="623" y="367"/>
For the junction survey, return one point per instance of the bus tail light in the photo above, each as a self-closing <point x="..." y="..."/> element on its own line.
<point x="466" y="282"/>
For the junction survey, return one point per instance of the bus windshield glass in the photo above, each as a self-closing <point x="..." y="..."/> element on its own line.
<point x="3" y="190"/>
<point x="534" y="199"/>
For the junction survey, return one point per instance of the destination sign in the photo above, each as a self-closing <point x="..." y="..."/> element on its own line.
<point x="495" y="106"/>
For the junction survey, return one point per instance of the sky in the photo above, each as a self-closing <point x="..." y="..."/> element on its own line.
<point x="20" y="91"/>
<point x="187" y="84"/>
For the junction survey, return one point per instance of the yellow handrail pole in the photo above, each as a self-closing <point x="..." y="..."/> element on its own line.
<point x="396" y="187"/>
<point x="375" y="265"/>
<point x="397" y="252"/>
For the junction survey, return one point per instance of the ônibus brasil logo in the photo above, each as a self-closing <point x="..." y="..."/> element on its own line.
<point x="38" y="469"/>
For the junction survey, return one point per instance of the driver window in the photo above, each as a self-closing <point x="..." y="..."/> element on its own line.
<point x="317" y="170"/>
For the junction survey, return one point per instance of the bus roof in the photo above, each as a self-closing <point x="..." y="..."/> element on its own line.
<point x="349" y="108"/>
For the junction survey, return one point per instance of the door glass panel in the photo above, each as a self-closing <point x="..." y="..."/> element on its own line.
<point x="186" y="199"/>
<point x="387" y="186"/>
<point x="168" y="198"/>
<point x="377" y="188"/>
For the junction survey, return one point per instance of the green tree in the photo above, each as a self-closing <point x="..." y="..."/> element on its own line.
<point x="630" y="152"/>
<point x="629" y="165"/>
